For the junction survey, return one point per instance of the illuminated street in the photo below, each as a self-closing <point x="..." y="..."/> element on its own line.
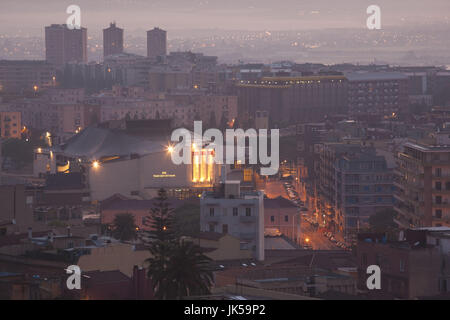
<point x="317" y="240"/>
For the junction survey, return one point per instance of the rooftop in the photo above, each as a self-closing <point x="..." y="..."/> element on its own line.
<point x="375" y="76"/>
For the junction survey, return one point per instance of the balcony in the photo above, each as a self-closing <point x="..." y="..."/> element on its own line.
<point x="211" y="219"/>
<point x="442" y="176"/>
<point x="441" y="205"/>
<point x="441" y="191"/>
<point x="247" y="219"/>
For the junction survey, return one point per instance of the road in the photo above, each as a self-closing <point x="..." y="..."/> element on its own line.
<point x="317" y="240"/>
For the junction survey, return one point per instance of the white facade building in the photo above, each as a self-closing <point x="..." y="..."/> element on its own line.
<point x="240" y="214"/>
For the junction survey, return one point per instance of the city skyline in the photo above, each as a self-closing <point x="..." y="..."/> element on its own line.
<point x="230" y="15"/>
<point x="135" y="142"/>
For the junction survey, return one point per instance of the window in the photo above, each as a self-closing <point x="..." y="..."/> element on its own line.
<point x="438" y="172"/>
<point x="402" y="265"/>
<point x="286" y="218"/>
<point x="248" y="212"/>
<point x="272" y="218"/>
<point x="235" y="212"/>
<point x="211" y="212"/>
<point x="225" y="229"/>
<point x="438" y="213"/>
<point x="438" y="185"/>
<point x="212" y="228"/>
<point x="438" y="199"/>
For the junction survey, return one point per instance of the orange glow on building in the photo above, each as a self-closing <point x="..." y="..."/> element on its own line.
<point x="202" y="166"/>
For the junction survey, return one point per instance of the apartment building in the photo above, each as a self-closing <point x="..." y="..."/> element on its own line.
<point x="156" y="43"/>
<point x="377" y="93"/>
<point x="10" y="125"/>
<point x="26" y="76"/>
<point x="355" y="183"/>
<point x="240" y="214"/>
<point x="63" y="45"/>
<point x="112" y="40"/>
<point x="58" y="118"/>
<point x="410" y="266"/>
<point x="364" y="187"/>
<point x="423" y="185"/>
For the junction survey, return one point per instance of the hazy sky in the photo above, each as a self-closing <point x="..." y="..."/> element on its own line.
<point x="31" y="16"/>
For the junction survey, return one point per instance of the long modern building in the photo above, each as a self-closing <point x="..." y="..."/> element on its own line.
<point x="17" y="76"/>
<point x="293" y="99"/>
<point x="63" y="45"/>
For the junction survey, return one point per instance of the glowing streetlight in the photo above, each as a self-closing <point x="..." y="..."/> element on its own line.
<point x="170" y="149"/>
<point x="95" y="164"/>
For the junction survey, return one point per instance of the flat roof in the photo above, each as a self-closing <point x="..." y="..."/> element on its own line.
<point x="374" y="76"/>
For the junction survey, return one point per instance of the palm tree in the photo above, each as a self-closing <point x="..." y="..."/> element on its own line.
<point x="158" y="266"/>
<point x="124" y="227"/>
<point x="189" y="271"/>
<point x="177" y="268"/>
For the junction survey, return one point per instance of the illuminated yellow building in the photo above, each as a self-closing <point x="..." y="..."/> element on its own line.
<point x="202" y="166"/>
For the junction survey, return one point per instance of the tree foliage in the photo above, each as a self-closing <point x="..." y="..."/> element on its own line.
<point x="177" y="268"/>
<point x="124" y="228"/>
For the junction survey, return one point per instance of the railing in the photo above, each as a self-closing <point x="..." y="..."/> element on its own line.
<point x="212" y="219"/>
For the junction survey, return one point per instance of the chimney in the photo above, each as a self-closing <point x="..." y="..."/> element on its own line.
<point x="30" y="233"/>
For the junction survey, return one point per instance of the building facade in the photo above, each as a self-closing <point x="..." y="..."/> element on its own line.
<point x="377" y="93"/>
<point x="423" y="186"/>
<point x="112" y="40"/>
<point x="63" y="45"/>
<point x="26" y="76"/>
<point x="10" y="125"/>
<point x="156" y="44"/>
<point x="240" y="214"/>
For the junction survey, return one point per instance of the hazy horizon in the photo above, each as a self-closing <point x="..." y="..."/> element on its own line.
<point x="23" y="16"/>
